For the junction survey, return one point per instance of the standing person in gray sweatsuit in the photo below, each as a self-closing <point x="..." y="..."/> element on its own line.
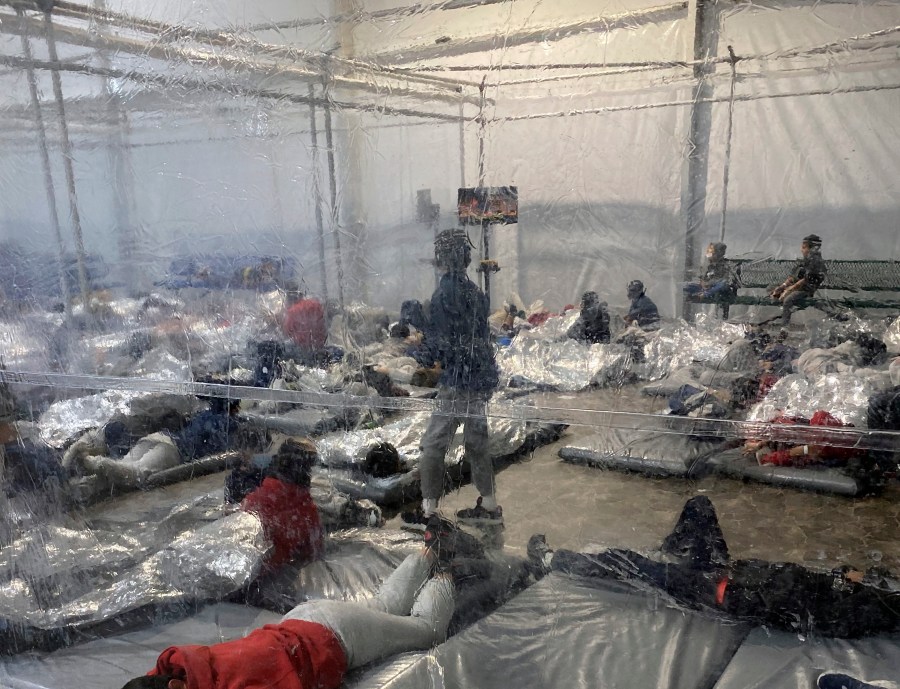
<point x="457" y="338"/>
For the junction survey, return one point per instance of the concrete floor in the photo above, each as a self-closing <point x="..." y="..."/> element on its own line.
<point x="582" y="507"/>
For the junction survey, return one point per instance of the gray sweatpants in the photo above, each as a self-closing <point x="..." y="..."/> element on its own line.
<point x="462" y="407"/>
<point x="152" y="453"/>
<point x="792" y="302"/>
<point x="410" y="613"/>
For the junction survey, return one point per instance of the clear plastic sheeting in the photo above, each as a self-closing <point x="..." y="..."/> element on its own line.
<point x="203" y="201"/>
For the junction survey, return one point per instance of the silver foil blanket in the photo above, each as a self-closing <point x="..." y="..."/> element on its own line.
<point x="341" y="450"/>
<point x="66" y="419"/>
<point x="56" y="576"/>
<point x="144" y="553"/>
<point x="544" y="357"/>
<point x="844" y="395"/>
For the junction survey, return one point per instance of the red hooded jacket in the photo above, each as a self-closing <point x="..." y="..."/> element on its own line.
<point x="304" y="323"/>
<point x="291" y="655"/>
<point x="290" y="520"/>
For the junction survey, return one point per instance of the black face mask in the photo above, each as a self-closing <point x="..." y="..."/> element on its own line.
<point x="590" y="313"/>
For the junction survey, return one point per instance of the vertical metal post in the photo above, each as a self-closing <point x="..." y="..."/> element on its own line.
<point x="486" y="253"/>
<point x="317" y="194"/>
<point x="462" y="144"/>
<point x="727" y="167"/>
<point x="332" y="181"/>
<point x="693" y="200"/>
<point x="67" y="163"/>
<point x="131" y="268"/>
<point x="48" y="174"/>
<point x="485" y="226"/>
<point x="482" y="123"/>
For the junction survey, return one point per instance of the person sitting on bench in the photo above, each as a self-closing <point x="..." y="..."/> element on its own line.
<point x="718" y="280"/>
<point x="807" y="276"/>
<point x="697" y="572"/>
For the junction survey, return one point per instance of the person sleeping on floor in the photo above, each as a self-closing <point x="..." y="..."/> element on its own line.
<point x="694" y="568"/>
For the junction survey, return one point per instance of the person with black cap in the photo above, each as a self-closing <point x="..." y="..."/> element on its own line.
<point x="643" y="311"/>
<point x="592" y="326"/>
<point x="807" y="276"/>
<point x="457" y="337"/>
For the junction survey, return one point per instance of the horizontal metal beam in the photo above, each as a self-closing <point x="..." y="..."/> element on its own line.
<point x="229" y="60"/>
<point x="167" y="82"/>
<point x="691" y="101"/>
<point x="388" y="13"/>
<point x="676" y="425"/>
<point x="166" y="32"/>
<point x="466" y="45"/>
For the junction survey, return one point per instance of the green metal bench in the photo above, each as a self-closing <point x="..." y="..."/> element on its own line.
<point x="847" y="276"/>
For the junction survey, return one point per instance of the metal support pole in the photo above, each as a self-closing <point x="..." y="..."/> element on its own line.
<point x="482" y="124"/>
<point x="727" y="166"/>
<point x="48" y="174"/>
<point x="317" y="194"/>
<point x="486" y="254"/>
<point x="131" y="268"/>
<point x="335" y="218"/>
<point x="693" y="200"/>
<point x="462" y="145"/>
<point x="67" y="164"/>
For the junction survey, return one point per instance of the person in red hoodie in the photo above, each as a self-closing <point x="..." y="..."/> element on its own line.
<point x="285" y="506"/>
<point x="317" y="642"/>
<point x="304" y="323"/>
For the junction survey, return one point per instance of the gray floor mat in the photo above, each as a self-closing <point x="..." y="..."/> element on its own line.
<point x="109" y="663"/>
<point x="563" y="632"/>
<point x="775" y="660"/>
<point x="649" y="452"/>
<point x="819" y="478"/>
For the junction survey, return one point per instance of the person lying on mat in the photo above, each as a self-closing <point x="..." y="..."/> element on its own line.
<point x="812" y="451"/>
<point x="210" y="432"/>
<point x="318" y="642"/>
<point x="695" y="569"/>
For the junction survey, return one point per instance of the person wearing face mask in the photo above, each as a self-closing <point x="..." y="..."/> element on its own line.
<point x="642" y="312"/>
<point x="592" y="326"/>
<point x="807" y="276"/>
<point x="717" y="280"/>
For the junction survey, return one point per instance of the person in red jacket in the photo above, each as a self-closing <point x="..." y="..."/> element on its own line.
<point x="317" y="642"/>
<point x="304" y="323"/>
<point x="285" y="506"/>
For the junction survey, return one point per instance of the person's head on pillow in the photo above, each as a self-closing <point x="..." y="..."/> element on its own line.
<point x="382" y="460"/>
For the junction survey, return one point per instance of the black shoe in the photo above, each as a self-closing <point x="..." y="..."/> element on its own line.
<point x="414" y="520"/>
<point x="837" y="680"/>
<point x="478" y="515"/>
<point x="446" y="541"/>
